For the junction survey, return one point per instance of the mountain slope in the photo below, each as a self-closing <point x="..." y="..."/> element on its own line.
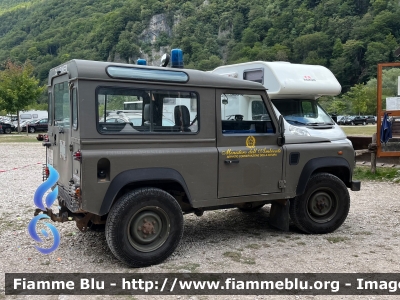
<point x="349" y="37"/>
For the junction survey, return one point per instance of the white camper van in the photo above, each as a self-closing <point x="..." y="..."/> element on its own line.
<point x="294" y="90"/>
<point x="32" y="115"/>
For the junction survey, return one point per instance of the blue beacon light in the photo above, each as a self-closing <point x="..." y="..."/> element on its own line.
<point x="176" y="58"/>
<point x="141" y="62"/>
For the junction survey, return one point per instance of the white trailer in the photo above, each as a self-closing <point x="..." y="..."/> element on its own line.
<point x="294" y="90"/>
<point x="32" y="115"/>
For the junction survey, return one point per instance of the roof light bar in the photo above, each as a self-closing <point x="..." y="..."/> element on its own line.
<point x="147" y="74"/>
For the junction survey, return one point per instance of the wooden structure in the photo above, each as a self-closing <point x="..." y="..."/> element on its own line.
<point x="392" y="113"/>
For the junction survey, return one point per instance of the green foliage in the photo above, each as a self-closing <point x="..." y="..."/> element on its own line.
<point x="349" y="37"/>
<point x="382" y="174"/>
<point x="357" y="97"/>
<point x="18" y="87"/>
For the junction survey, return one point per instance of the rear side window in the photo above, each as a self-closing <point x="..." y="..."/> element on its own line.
<point x="135" y="111"/>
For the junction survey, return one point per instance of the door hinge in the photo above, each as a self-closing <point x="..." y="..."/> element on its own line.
<point x="282" y="184"/>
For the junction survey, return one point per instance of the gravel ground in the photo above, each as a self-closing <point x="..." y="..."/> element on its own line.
<point x="220" y="241"/>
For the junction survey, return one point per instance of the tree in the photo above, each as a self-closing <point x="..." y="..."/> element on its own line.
<point x="358" y="98"/>
<point x="18" y="87"/>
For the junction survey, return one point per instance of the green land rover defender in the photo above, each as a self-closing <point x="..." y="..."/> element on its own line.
<point x="136" y="147"/>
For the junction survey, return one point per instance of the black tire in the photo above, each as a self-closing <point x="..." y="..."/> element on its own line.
<point x="31" y="129"/>
<point x="7" y="130"/>
<point x="144" y="227"/>
<point x="251" y="209"/>
<point x="332" y="196"/>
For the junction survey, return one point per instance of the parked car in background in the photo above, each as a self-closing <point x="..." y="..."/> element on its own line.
<point x="6" y="127"/>
<point x="371" y="119"/>
<point x="357" y="120"/>
<point x="39" y="125"/>
<point x="345" y="120"/>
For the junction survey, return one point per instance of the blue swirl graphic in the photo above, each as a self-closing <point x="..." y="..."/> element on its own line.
<point x="41" y="190"/>
<point x="32" y="232"/>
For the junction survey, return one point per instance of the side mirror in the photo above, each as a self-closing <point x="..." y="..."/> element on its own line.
<point x="224" y="99"/>
<point x="165" y="60"/>
<point x="281" y="138"/>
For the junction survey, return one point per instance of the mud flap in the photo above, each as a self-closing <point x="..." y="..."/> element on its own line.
<point x="279" y="215"/>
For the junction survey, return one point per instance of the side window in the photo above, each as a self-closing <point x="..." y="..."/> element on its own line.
<point x="308" y="109"/>
<point x="131" y="111"/>
<point x="74" y="109"/>
<point x="50" y="108"/>
<point x="244" y="114"/>
<point x="256" y="75"/>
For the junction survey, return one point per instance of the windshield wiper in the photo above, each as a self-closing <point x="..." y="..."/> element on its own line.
<point x="296" y="122"/>
<point x="319" y="123"/>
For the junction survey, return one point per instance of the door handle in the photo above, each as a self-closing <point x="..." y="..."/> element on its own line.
<point x="230" y="161"/>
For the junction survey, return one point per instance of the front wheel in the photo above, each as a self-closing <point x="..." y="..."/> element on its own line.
<point x="7" y="130"/>
<point x="364" y="123"/>
<point x="144" y="227"/>
<point x="31" y="129"/>
<point x="323" y="207"/>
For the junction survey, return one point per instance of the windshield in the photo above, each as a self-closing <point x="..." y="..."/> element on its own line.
<point x="302" y="112"/>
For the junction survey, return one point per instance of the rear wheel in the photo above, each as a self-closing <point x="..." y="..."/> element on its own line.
<point x="144" y="227"/>
<point x="352" y="123"/>
<point x="7" y="130"/>
<point x="364" y="123"/>
<point x="323" y="207"/>
<point x="31" y="129"/>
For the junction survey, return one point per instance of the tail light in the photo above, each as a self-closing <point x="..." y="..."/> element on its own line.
<point x="45" y="173"/>
<point x="77" y="155"/>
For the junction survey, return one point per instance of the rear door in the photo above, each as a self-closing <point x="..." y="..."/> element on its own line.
<point x="60" y="129"/>
<point x="249" y="159"/>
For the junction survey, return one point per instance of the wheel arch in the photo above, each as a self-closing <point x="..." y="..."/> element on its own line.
<point x="337" y="166"/>
<point x="163" y="178"/>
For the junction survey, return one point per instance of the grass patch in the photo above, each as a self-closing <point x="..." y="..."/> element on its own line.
<point x="363" y="233"/>
<point x="336" y="239"/>
<point x="382" y="173"/>
<point x="359" y="130"/>
<point x="249" y="261"/>
<point x="186" y="267"/>
<point x="253" y="246"/>
<point x="235" y="256"/>
<point x="18" y="138"/>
